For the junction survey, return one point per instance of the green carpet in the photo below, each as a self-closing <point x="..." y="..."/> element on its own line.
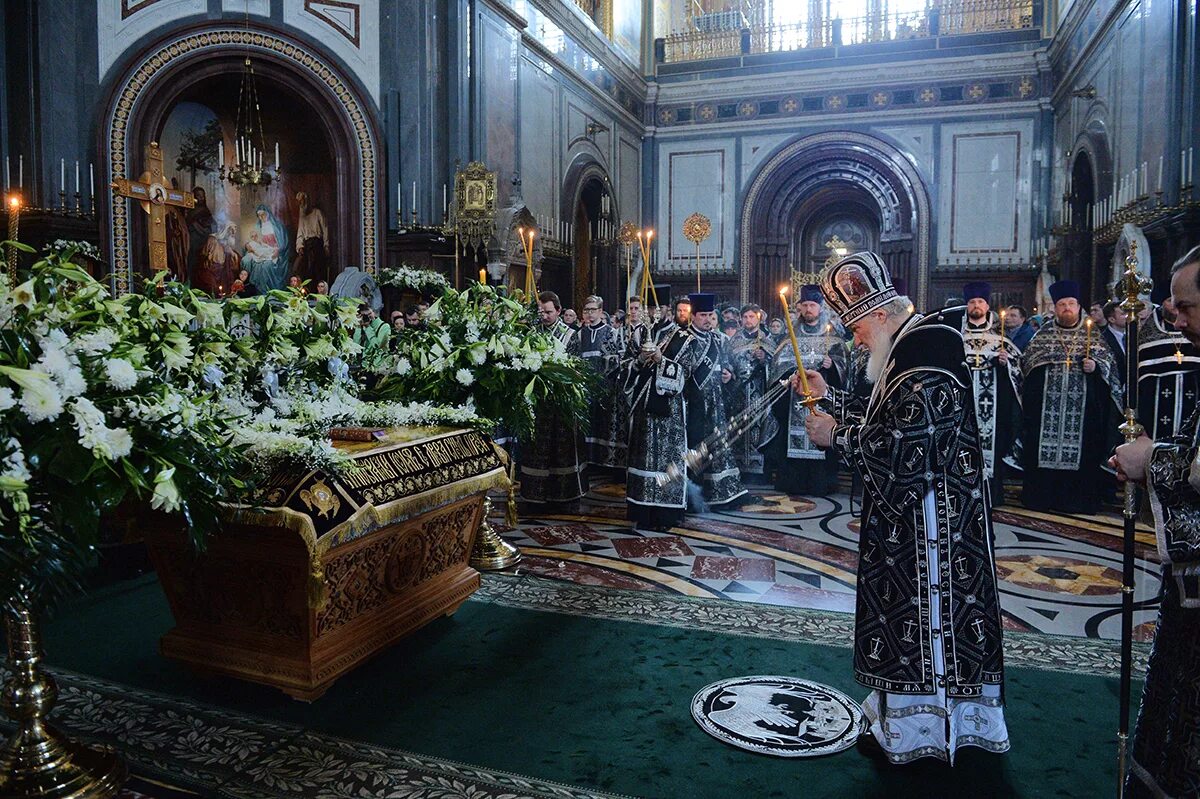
<point x="603" y="704"/>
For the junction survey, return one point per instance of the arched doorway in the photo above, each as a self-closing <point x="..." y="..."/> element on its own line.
<point x="829" y="181"/>
<point x="589" y="204"/>
<point x="1078" y="253"/>
<point x="327" y="133"/>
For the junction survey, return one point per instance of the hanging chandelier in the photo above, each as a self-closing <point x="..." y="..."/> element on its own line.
<point x="249" y="167"/>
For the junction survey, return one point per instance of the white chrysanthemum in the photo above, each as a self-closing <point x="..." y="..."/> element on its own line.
<point x="120" y="442"/>
<point x="120" y="373"/>
<point x="96" y="342"/>
<point x="41" y="402"/>
<point x="478" y="354"/>
<point x="464" y="376"/>
<point x="403" y="366"/>
<point x="54" y="360"/>
<point x="72" y="382"/>
<point x="7" y="399"/>
<point x="55" y="339"/>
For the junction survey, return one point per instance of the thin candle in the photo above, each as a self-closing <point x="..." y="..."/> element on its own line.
<point x="808" y="397"/>
<point x="1087" y="350"/>
<point x="1001" y="327"/>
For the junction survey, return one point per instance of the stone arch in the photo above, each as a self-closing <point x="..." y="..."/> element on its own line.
<point x="585" y="176"/>
<point x="141" y="95"/>
<point x="840" y="162"/>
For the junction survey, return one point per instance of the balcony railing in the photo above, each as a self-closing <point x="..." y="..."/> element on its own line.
<point x="949" y="18"/>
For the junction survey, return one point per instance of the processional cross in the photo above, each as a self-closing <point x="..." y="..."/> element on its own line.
<point x="153" y="193"/>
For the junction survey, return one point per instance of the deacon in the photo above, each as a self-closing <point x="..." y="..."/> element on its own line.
<point x="1071" y="400"/>
<point x="993" y="360"/>
<point x="721" y="482"/>
<point x="928" y="637"/>
<point x="800" y="466"/>
<point x="750" y="355"/>
<point x="600" y="348"/>
<point x="552" y="466"/>
<point x="1167" y="737"/>
<point x="652" y="378"/>
<point x="1168" y="374"/>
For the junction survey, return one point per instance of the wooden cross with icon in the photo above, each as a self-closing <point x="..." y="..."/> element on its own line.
<point x="155" y="195"/>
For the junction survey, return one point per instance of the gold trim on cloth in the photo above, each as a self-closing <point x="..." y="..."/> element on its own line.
<point x="406" y="473"/>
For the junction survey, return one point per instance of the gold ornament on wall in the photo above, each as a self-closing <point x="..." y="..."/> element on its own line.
<point x="475" y="205"/>
<point x="696" y="229"/>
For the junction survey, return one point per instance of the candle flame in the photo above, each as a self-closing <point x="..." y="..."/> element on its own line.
<point x="783" y="290"/>
<point x="649" y="234"/>
<point x="14" y="201"/>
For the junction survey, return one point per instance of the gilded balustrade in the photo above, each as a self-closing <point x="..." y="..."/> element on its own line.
<point x="949" y="18"/>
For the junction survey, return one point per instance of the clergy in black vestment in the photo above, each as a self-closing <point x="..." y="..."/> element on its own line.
<point x="1168" y="374"/>
<point x="720" y="484"/>
<point x="552" y="465"/>
<point x="751" y="350"/>
<point x="800" y="466"/>
<point x="927" y="634"/>
<point x="1071" y="406"/>
<point x="600" y="348"/>
<point x="658" y="362"/>
<point x="1166" y="740"/>
<point x="996" y="377"/>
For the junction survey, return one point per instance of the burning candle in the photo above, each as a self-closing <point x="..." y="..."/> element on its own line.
<point x="1001" y="327"/>
<point x="483" y="276"/>
<point x="808" y="397"/>
<point x="1087" y="350"/>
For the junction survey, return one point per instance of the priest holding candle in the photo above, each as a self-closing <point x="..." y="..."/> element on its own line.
<point x="928" y="638"/>
<point x="800" y="466"/>
<point x="1071" y="406"/>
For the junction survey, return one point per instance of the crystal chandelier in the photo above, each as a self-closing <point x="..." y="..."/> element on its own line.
<point x="249" y="149"/>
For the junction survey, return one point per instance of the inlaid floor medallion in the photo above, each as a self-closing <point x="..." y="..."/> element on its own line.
<point x="781" y="716"/>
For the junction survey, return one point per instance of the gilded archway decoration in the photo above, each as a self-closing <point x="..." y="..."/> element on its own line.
<point x="154" y="67"/>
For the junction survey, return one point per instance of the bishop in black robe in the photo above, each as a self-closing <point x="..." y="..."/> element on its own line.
<point x="928" y="637"/>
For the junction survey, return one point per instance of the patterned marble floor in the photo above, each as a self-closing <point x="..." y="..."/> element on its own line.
<point x="1058" y="574"/>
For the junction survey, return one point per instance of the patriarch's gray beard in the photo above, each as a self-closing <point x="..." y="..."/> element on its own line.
<point x="881" y="348"/>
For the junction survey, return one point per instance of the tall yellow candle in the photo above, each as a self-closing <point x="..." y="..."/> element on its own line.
<point x="1001" y="327"/>
<point x="808" y="397"/>
<point x="1087" y="351"/>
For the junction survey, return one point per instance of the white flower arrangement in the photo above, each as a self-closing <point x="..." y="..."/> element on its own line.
<point x="166" y="396"/>
<point x="425" y="281"/>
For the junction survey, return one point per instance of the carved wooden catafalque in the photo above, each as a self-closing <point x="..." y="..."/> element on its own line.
<point x="332" y="568"/>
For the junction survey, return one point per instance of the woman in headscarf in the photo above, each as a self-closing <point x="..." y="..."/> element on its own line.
<point x="266" y="256"/>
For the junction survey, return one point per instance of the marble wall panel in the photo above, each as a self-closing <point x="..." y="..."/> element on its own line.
<point x="1129" y="91"/>
<point x="497" y="123"/>
<point x="697" y="178"/>
<point x="120" y="23"/>
<point x="541" y="175"/>
<point x="629" y="180"/>
<point x="348" y="29"/>
<point x="985" y="194"/>
<point x="757" y="149"/>
<point x="915" y="141"/>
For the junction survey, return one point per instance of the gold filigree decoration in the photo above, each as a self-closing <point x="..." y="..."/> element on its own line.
<point x="321" y="497"/>
<point x="627" y="234"/>
<point x="475" y="205"/>
<point x="697" y="228"/>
